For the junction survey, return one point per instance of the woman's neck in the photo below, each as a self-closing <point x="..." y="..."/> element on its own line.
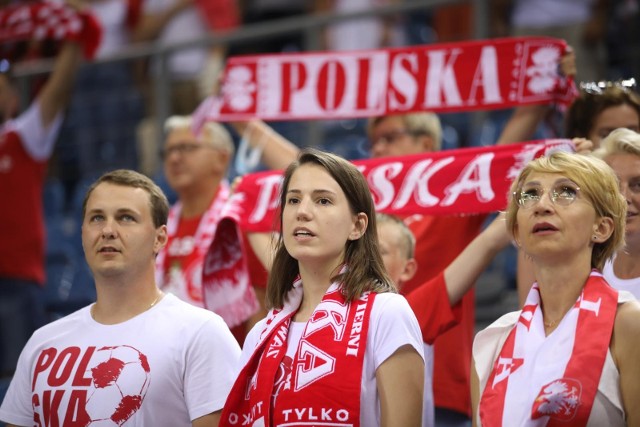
<point x="315" y="283"/>
<point x="560" y="287"/>
<point x="626" y="265"/>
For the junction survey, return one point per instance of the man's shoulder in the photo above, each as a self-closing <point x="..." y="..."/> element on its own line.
<point x="183" y="311"/>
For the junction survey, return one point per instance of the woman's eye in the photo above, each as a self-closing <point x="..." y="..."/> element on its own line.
<point x="292" y="200"/>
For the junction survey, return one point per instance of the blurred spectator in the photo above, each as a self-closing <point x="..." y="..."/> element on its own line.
<point x="191" y="72"/>
<point x="26" y="143"/>
<point x="623" y="39"/>
<point x="98" y="133"/>
<point x="581" y="23"/>
<point x="195" y="166"/>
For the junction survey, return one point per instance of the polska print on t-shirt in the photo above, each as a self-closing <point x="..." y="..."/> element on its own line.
<point x="78" y="387"/>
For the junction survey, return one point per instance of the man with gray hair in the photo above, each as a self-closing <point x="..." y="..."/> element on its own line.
<point x="195" y="165"/>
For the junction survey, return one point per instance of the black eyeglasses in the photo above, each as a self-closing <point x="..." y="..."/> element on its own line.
<point x="182" y="149"/>
<point x="598" y="88"/>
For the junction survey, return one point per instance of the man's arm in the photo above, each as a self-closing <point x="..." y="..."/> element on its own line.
<point x="55" y="94"/>
<point x="277" y="151"/>
<point x="463" y="271"/>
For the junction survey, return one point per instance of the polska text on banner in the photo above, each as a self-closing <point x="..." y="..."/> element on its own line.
<point x="463" y="181"/>
<point x="466" y="76"/>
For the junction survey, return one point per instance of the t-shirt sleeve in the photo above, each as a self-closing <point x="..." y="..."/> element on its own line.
<point x="393" y="325"/>
<point x="16" y="407"/>
<point x="211" y="368"/>
<point x="38" y="140"/>
<point x="430" y="304"/>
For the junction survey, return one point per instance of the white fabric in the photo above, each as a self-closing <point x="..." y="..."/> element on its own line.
<point x="428" y="405"/>
<point x="191" y="354"/>
<point x="37" y="140"/>
<point x="112" y="15"/>
<point x="607" y="407"/>
<point x="185" y="26"/>
<point x="549" y="13"/>
<point x="629" y="285"/>
<point x="392" y="326"/>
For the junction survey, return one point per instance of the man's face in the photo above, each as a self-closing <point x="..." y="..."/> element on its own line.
<point x="399" y="267"/>
<point x="390" y="137"/>
<point x="190" y="161"/>
<point x="118" y="234"/>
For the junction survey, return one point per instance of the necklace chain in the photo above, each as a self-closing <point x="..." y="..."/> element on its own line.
<point x="551" y="324"/>
<point x="155" y="301"/>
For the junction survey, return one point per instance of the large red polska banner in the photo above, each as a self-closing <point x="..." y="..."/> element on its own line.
<point x="466" y="76"/>
<point x="450" y="182"/>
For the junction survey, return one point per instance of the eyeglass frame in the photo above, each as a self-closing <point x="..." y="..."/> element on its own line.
<point x="554" y="196"/>
<point x="598" y="88"/>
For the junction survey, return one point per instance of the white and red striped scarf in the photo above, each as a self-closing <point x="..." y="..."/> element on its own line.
<point x="232" y="309"/>
<point x="450" y="182"/>
<point x="463" y="76"/>
<point x="42" y="20"/>
<point x="326" y="371"/>
<point x="540" y="380"/>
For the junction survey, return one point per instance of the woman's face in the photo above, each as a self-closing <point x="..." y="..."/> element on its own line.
<point x="620" y="116"/>
<point x="316" y="219"/>
<point x="627" y="168"/>
<point x="551" y="231"/>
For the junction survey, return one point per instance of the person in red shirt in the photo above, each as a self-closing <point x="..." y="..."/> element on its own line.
<point x="437" y="302"/>
<point x="26" y="143"/>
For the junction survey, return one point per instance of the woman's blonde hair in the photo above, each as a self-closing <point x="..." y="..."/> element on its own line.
<point x="598" y="184"/>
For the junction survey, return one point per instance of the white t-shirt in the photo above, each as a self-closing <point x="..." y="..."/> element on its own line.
<point x="392" y="326"/>
<point x="629" y="285"/>
<point x="175" y="362"/>
<point x="185" y="26"/>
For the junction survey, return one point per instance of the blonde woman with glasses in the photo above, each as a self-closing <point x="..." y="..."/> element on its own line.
<point x="570" y="356"/>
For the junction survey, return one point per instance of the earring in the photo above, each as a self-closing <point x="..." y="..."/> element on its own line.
<point x="593" y="238"/>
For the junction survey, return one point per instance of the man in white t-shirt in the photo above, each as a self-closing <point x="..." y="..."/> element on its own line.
<point x="136" y="356"/>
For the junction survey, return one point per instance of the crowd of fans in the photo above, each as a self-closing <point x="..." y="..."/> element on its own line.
<point x="111" y="121"/>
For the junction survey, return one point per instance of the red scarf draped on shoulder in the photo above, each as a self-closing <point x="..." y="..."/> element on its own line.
<point x="552" y="380"/>
<point x="324" y="381"/>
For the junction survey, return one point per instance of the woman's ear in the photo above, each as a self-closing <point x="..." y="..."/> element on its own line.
<point x="602" y="229"/>
<point x="359" y="226"/>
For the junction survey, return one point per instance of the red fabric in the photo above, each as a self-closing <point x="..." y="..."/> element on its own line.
<point x="220" y="14"/>
<point x="430" y="304"/>
<point x="134" y="13"/>
<point x="464" y="181"/>
<point x="329" y="357"/>
<point x="439" y="240"/>
<point x="257" y="273"/>
<point x="463" y="76"/>
<point x="22" y="245"/>
<point x="47" y="20"/>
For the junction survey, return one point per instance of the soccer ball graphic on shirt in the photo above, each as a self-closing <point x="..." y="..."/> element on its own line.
<point x="120" y="379"/>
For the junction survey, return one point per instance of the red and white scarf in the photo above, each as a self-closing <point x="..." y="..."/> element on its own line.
<point x="42" y="20"/>
<point x="450" y="182"/>
<point x="233" y="310"/>
<point x="464" y="76"/>
<point x="540" y="380"/>
<point x="325" y="380"/>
